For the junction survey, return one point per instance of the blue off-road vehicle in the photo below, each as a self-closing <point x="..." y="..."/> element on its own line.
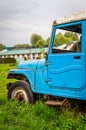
<point x="62" y="74"/>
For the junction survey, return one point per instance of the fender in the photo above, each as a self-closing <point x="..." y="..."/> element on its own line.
<point x="23" y="74"/>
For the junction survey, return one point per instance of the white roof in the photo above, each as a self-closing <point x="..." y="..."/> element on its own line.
<point x="74" y="17"/>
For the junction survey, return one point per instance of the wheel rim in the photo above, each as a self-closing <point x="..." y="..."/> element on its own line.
<point x="19" y="94"/>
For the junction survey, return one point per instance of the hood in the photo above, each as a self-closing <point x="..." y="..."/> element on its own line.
<point x="28" y="64"/>
<point x="31" y="64"/>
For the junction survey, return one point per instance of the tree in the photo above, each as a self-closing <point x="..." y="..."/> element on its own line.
<point x="40" y="43"/>
<point x="47" y="41"/>
<point x="71" y="35"/>
<point x="75" y="37"/>
<point x="35" y="38"/>
<point x="2" y="46"/>
<point x="67" y="38"/>
<point x="68" y="34"/>
<point x="21" y="45"/>
<point x="59" y="39"/>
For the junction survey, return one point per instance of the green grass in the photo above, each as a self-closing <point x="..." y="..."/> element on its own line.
<point x="20" y="116"/>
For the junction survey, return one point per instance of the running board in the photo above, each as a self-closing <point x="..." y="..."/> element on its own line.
<point x="56" y="103"/>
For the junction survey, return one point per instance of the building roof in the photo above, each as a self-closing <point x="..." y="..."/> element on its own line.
<point x="74" y="17"/>
<point x="21" y="51"/>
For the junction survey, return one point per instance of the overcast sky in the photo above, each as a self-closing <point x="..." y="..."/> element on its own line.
<point x="19" y="19"/>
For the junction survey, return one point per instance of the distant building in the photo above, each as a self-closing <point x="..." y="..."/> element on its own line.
<point x="31" y="53"/>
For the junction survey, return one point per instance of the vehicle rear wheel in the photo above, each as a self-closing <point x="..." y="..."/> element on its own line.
<point x="20" y="91"/>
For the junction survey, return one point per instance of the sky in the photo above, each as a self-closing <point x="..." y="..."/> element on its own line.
<point x="19" y="19"/>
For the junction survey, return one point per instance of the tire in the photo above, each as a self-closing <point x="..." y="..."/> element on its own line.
<point x="20" y="91"/>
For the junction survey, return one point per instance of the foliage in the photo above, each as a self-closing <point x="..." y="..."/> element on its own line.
<point x="59" y="39"/>
<point x="71" y="35"/>
<point x="7" y="60"/>
<point x="40" y="43"/>
<point x="2" y="46"/>
<point x="21" y="46"/>
<point x="20" y="116"/>
<point x="47" y="41"/>
<point x="35" y="38"/>
<point x="67" y="38"/>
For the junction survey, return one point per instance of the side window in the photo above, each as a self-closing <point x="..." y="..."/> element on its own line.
<point x="67" y="39"/>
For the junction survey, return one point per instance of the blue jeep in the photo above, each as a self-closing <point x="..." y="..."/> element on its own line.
<point x="63" y="72"/>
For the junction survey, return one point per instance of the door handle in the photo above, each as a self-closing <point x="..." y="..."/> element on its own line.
<point x="77" y="57"/>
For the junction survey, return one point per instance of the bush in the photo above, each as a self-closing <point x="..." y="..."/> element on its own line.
<point x="7" y="60"/>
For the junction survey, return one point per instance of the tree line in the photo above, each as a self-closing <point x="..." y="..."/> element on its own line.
<point x="36" y="40"/>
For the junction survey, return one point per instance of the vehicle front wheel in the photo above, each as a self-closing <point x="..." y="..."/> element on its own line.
<point x="20" y="91"/>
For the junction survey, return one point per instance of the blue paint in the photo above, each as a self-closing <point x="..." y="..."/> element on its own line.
<point x="59" y="74"/>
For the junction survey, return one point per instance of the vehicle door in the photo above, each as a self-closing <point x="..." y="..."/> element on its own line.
<point x="66" y="61"/>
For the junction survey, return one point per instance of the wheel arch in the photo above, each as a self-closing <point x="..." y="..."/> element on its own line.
<point x="17" y="76"/>
<point x="20" y="77"/>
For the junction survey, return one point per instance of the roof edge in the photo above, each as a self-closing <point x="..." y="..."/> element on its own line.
<point x="70" y="18"/>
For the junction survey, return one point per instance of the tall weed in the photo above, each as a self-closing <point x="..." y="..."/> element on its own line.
<point x="20" y="116"/>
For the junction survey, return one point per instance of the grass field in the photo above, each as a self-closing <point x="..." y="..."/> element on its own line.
<point x="20" y="116"/>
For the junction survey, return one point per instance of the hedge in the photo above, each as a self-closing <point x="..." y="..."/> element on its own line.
<point x="7" y="60"/>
